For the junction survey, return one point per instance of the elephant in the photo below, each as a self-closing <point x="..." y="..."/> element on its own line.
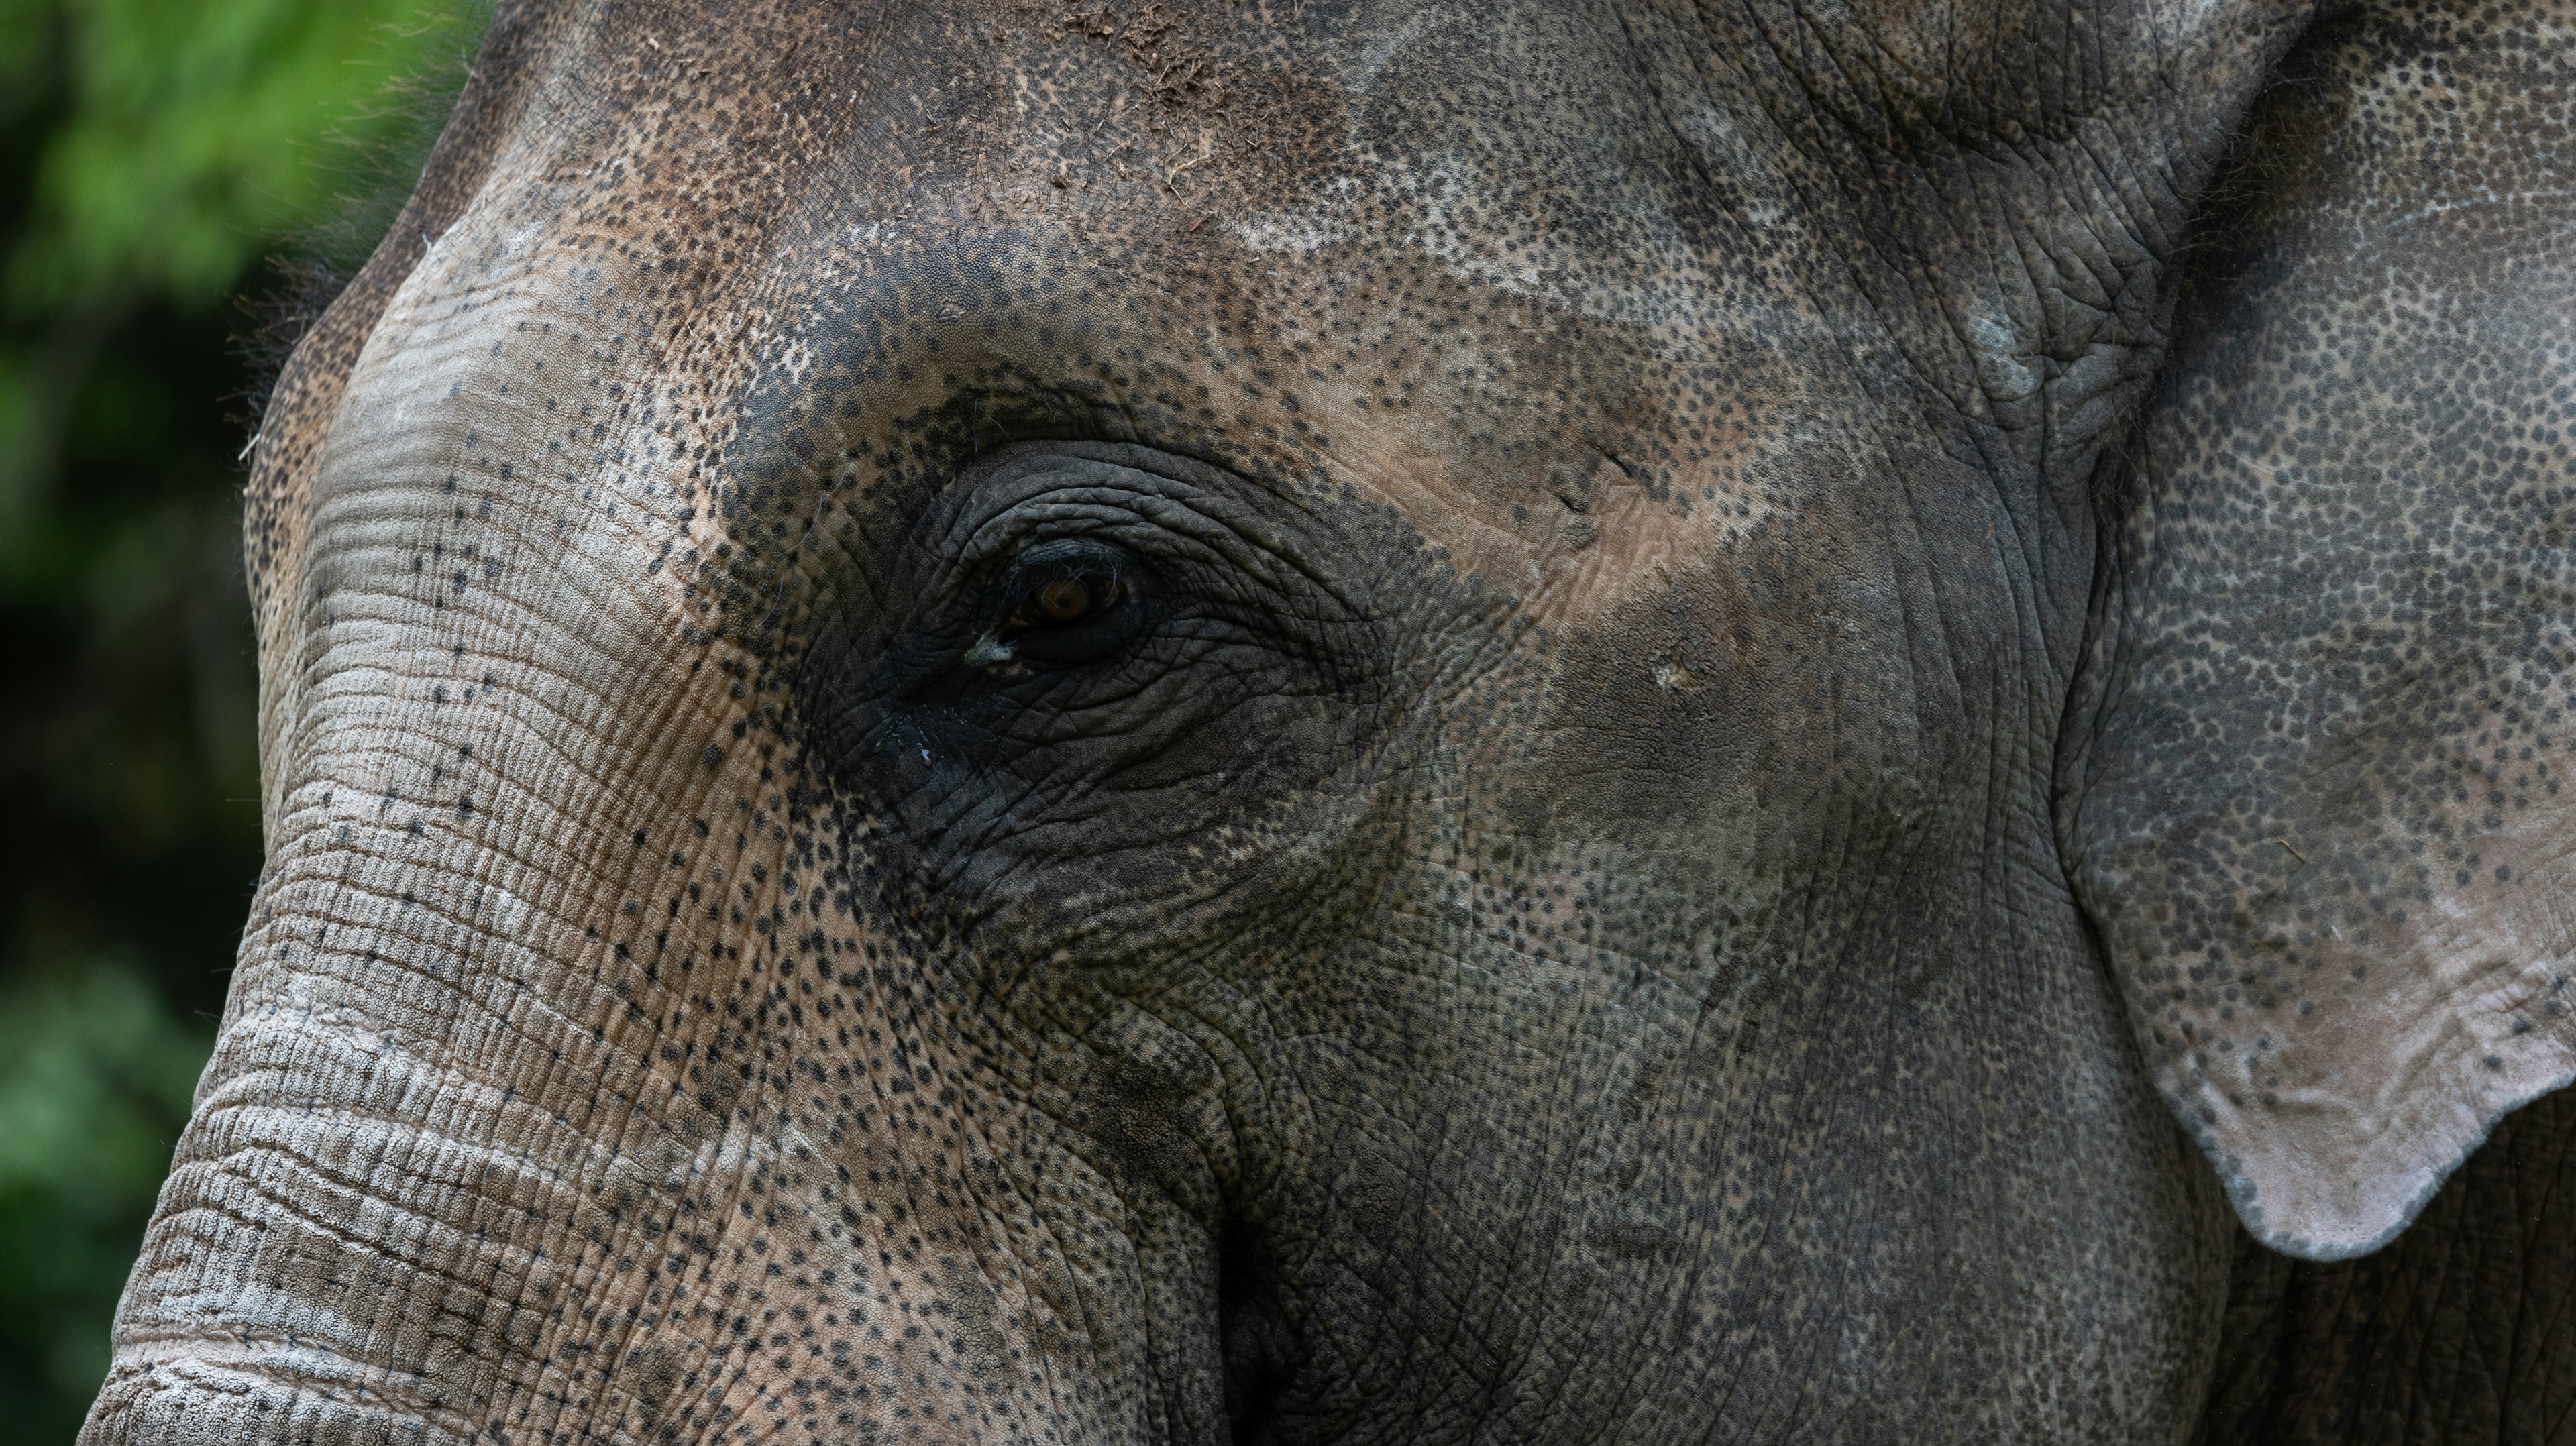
<point x="1306" y="721"/>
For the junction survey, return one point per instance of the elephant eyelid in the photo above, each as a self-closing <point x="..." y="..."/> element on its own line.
<point x="1057" y="559"/>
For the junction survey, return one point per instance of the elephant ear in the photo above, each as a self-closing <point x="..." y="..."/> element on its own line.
<point x="2318" y="789"/>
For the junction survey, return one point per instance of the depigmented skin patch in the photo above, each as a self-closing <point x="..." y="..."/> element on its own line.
<point x="2323" y="823"/>
<point x="1550" y="927"/>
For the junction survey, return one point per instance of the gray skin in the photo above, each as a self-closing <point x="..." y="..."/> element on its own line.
<point x="1415" y="723"/>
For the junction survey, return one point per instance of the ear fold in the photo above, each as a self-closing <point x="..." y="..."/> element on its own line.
<point x="2319" y="789"/>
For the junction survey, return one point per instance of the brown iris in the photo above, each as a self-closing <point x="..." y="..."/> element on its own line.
<point x="1064" y="600"/>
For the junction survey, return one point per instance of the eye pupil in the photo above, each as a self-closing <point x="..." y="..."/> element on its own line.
<point x="1063" y="600"/>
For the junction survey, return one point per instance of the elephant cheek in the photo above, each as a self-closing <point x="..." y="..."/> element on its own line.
<point x="555" y="1091"/>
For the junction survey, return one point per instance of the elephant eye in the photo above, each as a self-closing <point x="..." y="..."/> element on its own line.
<point x="1065" y="602"/>
<point x="1062" y="604"/>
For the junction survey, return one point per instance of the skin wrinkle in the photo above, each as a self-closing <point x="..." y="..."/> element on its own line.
<point x="434" y="979"/>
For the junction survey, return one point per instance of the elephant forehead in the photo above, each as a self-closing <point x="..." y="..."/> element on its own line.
<point x="1556" y="452"/>
<point x="1460" y="260"/>
<point x="500" y="436"/>
<point x="1433" y="259"/>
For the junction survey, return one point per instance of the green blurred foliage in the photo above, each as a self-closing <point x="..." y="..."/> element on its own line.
<point x="190" y="136"/>
<point x="156" y="158"/>
<point x="95" y="1070"/>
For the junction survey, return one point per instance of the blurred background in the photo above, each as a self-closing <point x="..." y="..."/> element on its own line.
<point x="179" y="179"/>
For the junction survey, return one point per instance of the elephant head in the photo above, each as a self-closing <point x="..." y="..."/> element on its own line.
<point x="1376" y="722"/>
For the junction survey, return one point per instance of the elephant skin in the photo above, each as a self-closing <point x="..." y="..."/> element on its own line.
<point x="1408" y="722"/>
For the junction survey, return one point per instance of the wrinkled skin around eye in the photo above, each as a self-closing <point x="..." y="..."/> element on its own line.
<point x="1209" y="670"/>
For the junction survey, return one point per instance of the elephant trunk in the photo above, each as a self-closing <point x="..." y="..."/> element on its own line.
<point x="449" y="1178"/>
<point x="562" y="1089"/>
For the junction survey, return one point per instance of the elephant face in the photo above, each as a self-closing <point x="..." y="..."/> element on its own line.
<point x="1319" y="723"/>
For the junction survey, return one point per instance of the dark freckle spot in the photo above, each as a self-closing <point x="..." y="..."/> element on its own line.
<point x="709" y="759"/>
<point x="2503" y="872"/>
